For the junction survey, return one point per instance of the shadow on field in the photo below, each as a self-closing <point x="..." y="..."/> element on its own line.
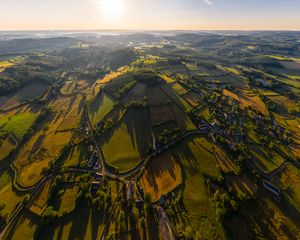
<point x="77" y="220"/>
<point x="96" y="104"/>
<point x="158" y="167"/>
<point x="138" y="128"/>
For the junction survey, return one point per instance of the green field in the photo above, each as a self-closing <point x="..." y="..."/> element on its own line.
<point x="126" y="143"/>
<point x="6" y="146"/>
<point x="262" y="159"/>
<point x="198" y="164"/>
<point x="76" y="156"/>
<point x="101" y="107"/>
<point x="8" y="194"/>
<point x="289" y="181"/>
<point x="18" y="124"/>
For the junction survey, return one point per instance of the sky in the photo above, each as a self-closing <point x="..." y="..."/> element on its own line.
<point x="149" y="15"/>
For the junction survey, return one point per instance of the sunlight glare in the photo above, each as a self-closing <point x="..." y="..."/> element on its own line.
<point x="112" y="9"/>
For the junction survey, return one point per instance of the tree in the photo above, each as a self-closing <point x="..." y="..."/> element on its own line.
<point x="49" y="215"/>
<point x="121" y="220"/>
<point x="2" y="216"/>
<point x="143" y="223"/>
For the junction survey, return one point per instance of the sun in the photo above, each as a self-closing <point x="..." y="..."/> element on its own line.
<point x="112" y="9"/>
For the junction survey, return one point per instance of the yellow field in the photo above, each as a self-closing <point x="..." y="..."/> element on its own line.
<point x="76" y="156"/>
<point x="110" y="77"/>
<point x="283" y="58"/>
<point x="167" y="78"/>
<point x="199" y="164"/>
<point x="8" y="195"/>
<point x="241" y="184"/>
<point x="247" y="99"/>
<point x="67" y="203"/>
<point x="193" y="98"/>
<point x="25" y="229"/>
<point x="6" y="146"/>
<point x="161" y="176"/>
<point x="125" y="144"/>
<point x="224" y="162"/>
<point x="100" y="107"/>
<point x="40" y="202"/>
<point x="46" y="144"/>
<point x="179" y="89"/>
<point x="4" y="65"/>
<point x="284" y="103"/>
<point x="68" y="88"/>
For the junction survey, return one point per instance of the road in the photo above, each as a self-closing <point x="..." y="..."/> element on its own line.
<point x="164" y="224"/>
<point x="35" y="190"/>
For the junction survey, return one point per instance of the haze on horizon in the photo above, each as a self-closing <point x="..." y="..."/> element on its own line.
<point x="150" y="15"/>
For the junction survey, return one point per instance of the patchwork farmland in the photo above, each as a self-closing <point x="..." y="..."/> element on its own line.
<point x="152" y="136"/>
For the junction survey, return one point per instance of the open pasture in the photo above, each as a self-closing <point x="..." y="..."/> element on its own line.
<point x="268" y="219"/>
<point x="193" y="99"/>
<point x="136" y="94"/>
<point x="283" y="104"/>
<point x="263" y="160"/>
<point x="7" y="145"/>
<point x="5" y="64"/>
<point x="198" y="164"/>
<point x="224" y="162"/>
<point x="178" y="88"/>
<point x="47" y="143"/>
<point x="126" y="143"/>
<point x="175" y="97"/>
<point x="28" y="92"/>
<point x="156" y="96"/>
<point x="8" y="195"/>
<point x="161" y="114"/>
<point x="241" y="184"/>
<point x="68" y="87"/>
<point x="168" y="126"/>
<point x="67" y="202"/>
<point x="39" y="203"/>
<point x="161" y="176"/>
<point x="18" y="121"/>
<point x="182" y="120"/>
<point x="25" y="227"/>
<point x="77" y="156"/>
<point x="100" y="107"/>
<point x="167" y="78"/>
<point x="289" y="181"/>
<point x="247" y="99"/>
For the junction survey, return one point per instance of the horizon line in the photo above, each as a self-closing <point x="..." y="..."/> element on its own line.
<point x="150" y="30"/>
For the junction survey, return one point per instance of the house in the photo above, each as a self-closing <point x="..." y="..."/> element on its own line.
<point x="99" y="176"/>
<point x="95" y="185"/>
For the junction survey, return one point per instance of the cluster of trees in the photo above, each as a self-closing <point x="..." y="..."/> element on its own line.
<point x="237" y="151"/>
<point x="18" y="76"/>
<point x="137" y="104"/>
<point x="120" y="86"/>
<point x="48" y="216"/>
<point x="166" y="135"/>
<point x="3" y="217"/>
<point x="55" y="191"/>
<point x="149" y="77"/>
<point x="8" y="85"/>
<point x="84" y="195"/>
<point x="224" y="205"/>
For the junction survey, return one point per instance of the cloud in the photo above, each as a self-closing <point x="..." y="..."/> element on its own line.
<point x="209" y="2"/>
